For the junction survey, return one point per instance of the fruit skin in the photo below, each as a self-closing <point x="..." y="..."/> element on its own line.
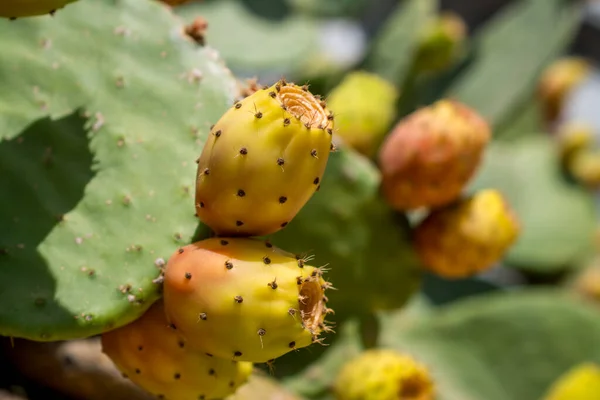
<point x="441" y="44"/>
<point x="582" y="382"/>
<point x="263" y="161"/>
<point x="431" y="154"/>
<point x="30" y="8"/>
<point x="361" y="122"/>
<point x="468" y="236"/>
<point x="155" y="357"/>
<point x="384" y="374"/>
<point x="239" y="298"/>
<point x="557" y="81"/>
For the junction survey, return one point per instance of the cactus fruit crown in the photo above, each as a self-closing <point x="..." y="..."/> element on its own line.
<point x="264" y="159"/>
<point x="468" y="236"/>
<point x="155" y="357"/>
<point x="383" y="374"/>
<point x="244" y="299"/>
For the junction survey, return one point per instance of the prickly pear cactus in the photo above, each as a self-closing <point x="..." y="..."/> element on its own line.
<point x="244" y="299"/>
<point x="103" y="141"/>
<point x="263" y="161"/>
<point x="468" y="236"/>
<point x="384" y="374"/>
<point x="28" y="8"/>
<point x="359" y="121"/>
<point x="154" y="356"/>
<point x="431" y="154"/>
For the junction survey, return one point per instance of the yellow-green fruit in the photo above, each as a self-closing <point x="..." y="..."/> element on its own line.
<point x="441" y="43"/>
<point x="557" y="81"/>
<point x="30" y="8"/>
<point x="154" y="356"/>
<point x="244" y="299"/>
<point x="263" y="160"/>
<point x="431" y="155"/>
<point x="582" y="382"/>
<point x="468" y="236"/>
<point x="365" y="107"/>
<point x="382" y="374"/>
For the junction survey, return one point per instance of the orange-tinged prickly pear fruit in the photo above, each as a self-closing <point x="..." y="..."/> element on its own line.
<point x="154" y="356"/>
<point x="557" y="81"/>
<point x="263" y="160"/>
<point x="361" y="122"/>
<point x="384" y="374"/>
<point x="244" y="299"/>
<point x="582" y="382"/>
<point x="468" y="236"/>
<point x="441" y="43"/>
<point x="431" y="155"/>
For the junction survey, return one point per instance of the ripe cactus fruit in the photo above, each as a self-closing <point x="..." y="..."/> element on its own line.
<point x="29" y="8"/>
<point x="244" y="299"/>
<point x="150" y="353"/>
<point x="384" y="374"/>
<point x="441" y="43"/>
<point x="431" y="155"/>
<point x="468" y="236"/>
<point x="360" y="121"/>
<point x="263" y="161"/>
<point x="556" y="82"/>
<point x="582" y="382"/>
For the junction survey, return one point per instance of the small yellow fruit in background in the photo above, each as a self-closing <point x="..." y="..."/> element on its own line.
<point x="384" y="374"/>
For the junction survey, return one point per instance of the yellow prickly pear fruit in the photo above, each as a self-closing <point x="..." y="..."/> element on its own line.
<point x="152" y="354"/>
<point x="384" y="374"/>
<point x="431" y="155"/>
<point x="244" y="299"/>
<point x="441" y="43"/>
<point x="582" y="382"/>
<point x="557" y="81"/>
<point x="361" y="122"/>
<point x="572" y="138"/>
<point x="263" y="160"/>
<point x="468" y="236"/>
<point x="30" y="8"/>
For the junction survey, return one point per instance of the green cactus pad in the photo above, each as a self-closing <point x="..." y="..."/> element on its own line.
<point x="558" y="219"/>
<point x="505" y="346"/>
<point x="254" y="43"/>
<point x="30" y="8"/>
<point x="391" y="54"/>
<point x="497" y="85"/>
<point x="347" y="226"/>
<point x="102" y="119"/>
